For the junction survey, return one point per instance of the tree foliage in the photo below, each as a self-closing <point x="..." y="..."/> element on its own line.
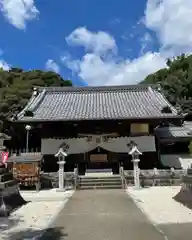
<point x="16" y="88"/>
<point x="176" y="81"/>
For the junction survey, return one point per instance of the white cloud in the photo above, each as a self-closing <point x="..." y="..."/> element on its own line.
<point x="146" y="42"/>
<point x="71" y="64"/>
<point x="95" y="70"/>
<point x="169" y="19"/>
<point x="4" y="65"/>
<point x="97" y="42"/>
<point x="18" y="12"/>
<point x="52" y="66"/>
<point x="103" y="68"/>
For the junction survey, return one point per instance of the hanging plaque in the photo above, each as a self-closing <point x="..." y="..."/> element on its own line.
<point x="98" y="157"/>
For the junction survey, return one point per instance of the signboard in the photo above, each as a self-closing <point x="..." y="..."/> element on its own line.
<point x="98" y="157"/>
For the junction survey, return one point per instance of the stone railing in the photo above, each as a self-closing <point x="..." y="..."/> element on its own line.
<point x="76" y="178"/>
<point x="156" y="177"/>
<point x="51" y="180"/>
<point x="187" y="181"/>
<point x="123" y="180"/>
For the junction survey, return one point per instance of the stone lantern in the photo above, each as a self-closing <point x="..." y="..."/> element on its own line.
<point x="10" y="197"/>
<point x="3" y="137"/>
<point x="61" y="154"/>
<point x="135" y="153"/>
<point x="28" y="129"/>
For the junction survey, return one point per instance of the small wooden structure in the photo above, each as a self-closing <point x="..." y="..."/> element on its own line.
<point x="26" y="169"/>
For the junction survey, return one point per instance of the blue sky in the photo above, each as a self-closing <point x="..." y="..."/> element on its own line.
<point x="94" y="42"/>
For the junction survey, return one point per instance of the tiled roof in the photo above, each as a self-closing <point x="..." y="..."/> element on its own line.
<point x="174" y="132"/>
<point x="96" y="103"/>
<point x="25" y="158"/>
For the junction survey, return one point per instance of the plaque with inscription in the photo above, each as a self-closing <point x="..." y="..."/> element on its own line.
<point x="98" y="157"/>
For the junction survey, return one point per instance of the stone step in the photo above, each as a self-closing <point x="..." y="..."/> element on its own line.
<point x="104" y="170"/>
<point x="6" y="184"/>
<point x="100" y="180"/>
<point x="6" y="177"/>
<point x="100" y="187"/>
<point x="102" y="174"/>
<point x="99" y="183"/>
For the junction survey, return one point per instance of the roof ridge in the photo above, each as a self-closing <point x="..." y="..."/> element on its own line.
<point x="98" y="88"/>
<point x="96" y="103"/>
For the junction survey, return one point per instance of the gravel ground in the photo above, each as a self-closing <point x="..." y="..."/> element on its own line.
<point x="30" y="221"/>
<point x="159" y="206"/>
<point x="46" y="195"/>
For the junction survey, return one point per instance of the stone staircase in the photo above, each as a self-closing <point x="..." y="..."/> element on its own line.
<point x="99" y="181"/>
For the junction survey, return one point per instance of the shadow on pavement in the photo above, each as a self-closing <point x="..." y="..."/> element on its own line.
<point x="184" y="197"/>
<point x="55" y="233"/>
<point x="6" y="223"/>
<point x="177" y="231"/>
<point x="33" y="234"/>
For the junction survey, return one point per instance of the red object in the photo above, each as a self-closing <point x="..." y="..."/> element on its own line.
<point x="4" y="157"/>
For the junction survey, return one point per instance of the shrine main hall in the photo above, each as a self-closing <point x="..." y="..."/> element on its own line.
<point x="95" y="125"/>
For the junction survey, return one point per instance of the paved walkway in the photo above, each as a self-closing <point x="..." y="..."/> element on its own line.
<point x="104" y="215"/>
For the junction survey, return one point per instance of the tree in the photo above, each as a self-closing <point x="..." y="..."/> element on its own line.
<point x="176" y="81"/>
<point x="16" y="87"/>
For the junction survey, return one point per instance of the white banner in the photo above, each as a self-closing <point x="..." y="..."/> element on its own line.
<point x="81" y="145"/>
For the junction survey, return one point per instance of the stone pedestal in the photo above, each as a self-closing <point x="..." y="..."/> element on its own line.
<point x="136" y="173"/>
<point x="10" y="197"/>
<point x="135" y="153"/>
<point x="61" y="175"/>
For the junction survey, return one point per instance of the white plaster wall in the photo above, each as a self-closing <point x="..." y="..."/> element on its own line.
<point x="80" y="145"/>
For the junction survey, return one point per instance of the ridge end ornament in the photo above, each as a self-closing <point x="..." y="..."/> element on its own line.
<point x="97" y="138"/>
<point x="131" y="144"/>
<point x="64" y="146"/>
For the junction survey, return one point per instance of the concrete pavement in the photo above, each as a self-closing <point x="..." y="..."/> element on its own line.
<point x="102" y="215"/>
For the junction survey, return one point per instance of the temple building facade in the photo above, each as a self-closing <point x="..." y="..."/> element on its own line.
<point x="95" y="125"/>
